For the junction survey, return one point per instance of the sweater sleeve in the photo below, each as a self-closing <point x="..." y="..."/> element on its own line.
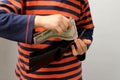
<point x="85" y="23"/>
<point x="13" y="24"/>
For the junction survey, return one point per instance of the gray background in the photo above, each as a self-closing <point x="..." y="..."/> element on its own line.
<point x="102" y="61"/>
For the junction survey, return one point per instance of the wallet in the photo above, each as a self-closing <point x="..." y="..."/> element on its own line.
<point x="43" y="57"/>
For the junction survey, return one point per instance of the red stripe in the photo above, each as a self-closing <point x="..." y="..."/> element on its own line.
<point x="51" y="12"/>
<point x="23" y="58"/>
<point x="3" y="8"/>
<point x="24" y="51"/>
<point x="18" y="72"/>
<point x="24" y="65"/>
<point x="85" y="14"/>
<point x="59" y="68"/>
<point x="52" y="3"/>
<point x="21" y="77"/>
<point x="18" y="4"/>
<point x="77" y="2"/>
<point x="88" y="26"/>
<point x="84" y="21"/>
<point x="77" y="77"/>
<point x="52" y="75"/>
<point x="86" y="1"/>
<point x="64" y="60"/>
<point x="11" y="6"/>
<point x="38" y="46"/>
<point x="86" y="8"/>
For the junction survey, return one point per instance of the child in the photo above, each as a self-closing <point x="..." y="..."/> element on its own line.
<point x="20" y="19"/>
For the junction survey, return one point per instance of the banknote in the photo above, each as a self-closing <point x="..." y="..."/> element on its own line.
<point x="69" y="34"/>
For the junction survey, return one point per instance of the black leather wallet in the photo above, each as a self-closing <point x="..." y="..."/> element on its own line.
<point x="49" y="54"/>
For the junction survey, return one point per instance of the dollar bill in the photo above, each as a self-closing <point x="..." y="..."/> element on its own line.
<point x="69" y="34"/>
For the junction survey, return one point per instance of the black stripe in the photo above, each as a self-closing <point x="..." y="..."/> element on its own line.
<point x="22" y="54"/>
<point x="17" y="8"/>
<point x="27" y="78"/>
<point x="36" y="49"/>
<point x="7" y="2"/>
<point x="61" y="1"/>
<point x="58" y="72"/>
<point x="49" y="65"/>
<point x="17" y="74"/>
<point x="86" y="4"/>
<point x="26" y="48"/>
<point x="50" y="73"/>
<point x="18" y="70"/>
<point x="53" y="65"/>
<point x="87" y="10"/>
<point x="22" y="61"/>
<point x="69" y="3"/>
<point x="76" y="74"/>
<point x="86" y="17"/>
<point x="52" y="8"/>
<point x="9" y="8"/>
<point x="85" y="24"/>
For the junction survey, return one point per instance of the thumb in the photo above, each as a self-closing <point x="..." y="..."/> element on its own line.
<point x="87" y="41"/>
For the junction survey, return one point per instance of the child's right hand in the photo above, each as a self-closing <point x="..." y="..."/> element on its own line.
<point x="56" y="22"/>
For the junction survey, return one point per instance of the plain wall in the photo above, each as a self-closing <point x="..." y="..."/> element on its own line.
<point x="102" y="62"/>
<point x="103" y="57"/>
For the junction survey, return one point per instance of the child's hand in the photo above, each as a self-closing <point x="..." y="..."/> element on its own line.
<point x="56" y="22"/>
<point x="81" y="46"/>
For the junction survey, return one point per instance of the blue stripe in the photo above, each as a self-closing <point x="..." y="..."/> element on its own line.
<point x="57" y="72"/>
<point x="22" y="54"/>
<point x="36" y="49"/>
<point x="87" y="23"/>
<point x="86" y="17"/>
<point x="52" y="8"/>
<point x="61" y="1"/>
<point x="26" y="63"/>
<point x="2" y="5"/>
<point x="18" y="70"/>
<point x="69" y="3"/>
<point x="10" y="8"/>
<point x="54" y="65"/>
<point x="61" y="72"/>
<point x="88" y="9"/>
<point x="17" y="74"/>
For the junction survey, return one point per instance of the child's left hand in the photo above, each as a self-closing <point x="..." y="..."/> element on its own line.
<point x="81" y="46"/>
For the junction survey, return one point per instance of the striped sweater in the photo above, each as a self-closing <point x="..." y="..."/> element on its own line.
<point x="17" y="24"/>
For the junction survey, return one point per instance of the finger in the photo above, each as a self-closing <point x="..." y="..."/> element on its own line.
<point x="59" y="30"/>
<point x="83" y="45"/>
<point x="64" y="22"/>
<point x="80" y="47"/>
<point x="68" y="22"/>
<point x="78" y="44"/>
<point x="87" y="41"/>
<point x="63" y="26"/>
<point x="74" y="50"/>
